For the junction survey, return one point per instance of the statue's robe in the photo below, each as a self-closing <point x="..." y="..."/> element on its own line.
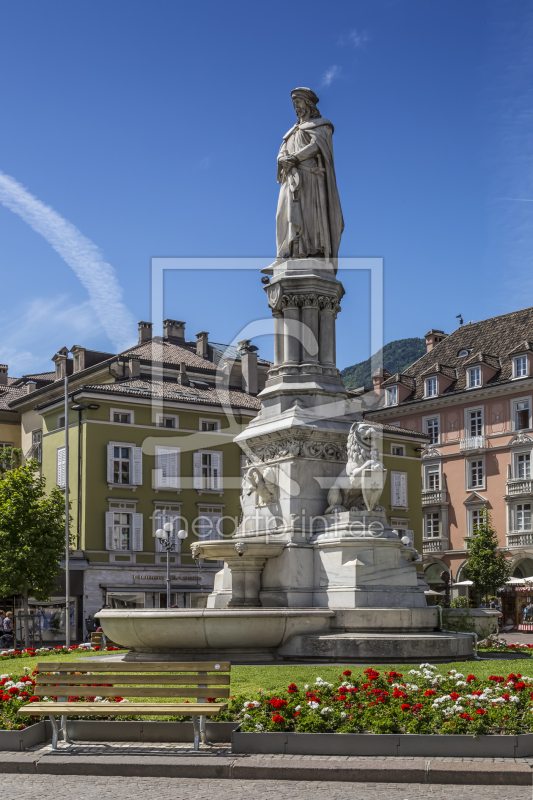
<point x="309" y="219"/>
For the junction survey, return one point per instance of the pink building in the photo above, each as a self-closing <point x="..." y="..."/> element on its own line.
<point x="472" y="394"/>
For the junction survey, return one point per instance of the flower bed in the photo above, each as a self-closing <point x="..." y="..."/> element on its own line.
<point x="5" y="655"/>
<point x="492" y="644"/>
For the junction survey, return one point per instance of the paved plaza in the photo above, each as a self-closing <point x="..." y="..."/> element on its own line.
<point x="59" y="787"/>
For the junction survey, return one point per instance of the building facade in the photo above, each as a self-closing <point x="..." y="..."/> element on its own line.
<point x="471" y="393"/>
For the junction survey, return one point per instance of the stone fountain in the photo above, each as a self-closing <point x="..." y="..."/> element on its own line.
<point x="314" y="571"/>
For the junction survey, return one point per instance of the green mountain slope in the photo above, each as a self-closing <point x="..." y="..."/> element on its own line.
<point x="397" y="356"/>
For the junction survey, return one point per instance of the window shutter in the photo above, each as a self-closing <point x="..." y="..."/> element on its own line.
<point x="399" y="489"/>
<point x="137" y="453"/>
<point x="403" y="489"/>
<point x="174" y="467"/>
<point x="197" y="470"/>
<point x="161" y="467"/>
<point x="61" y="466"/>
<point x="137" y="529"/>
<point x="110" y="451"/>
<point x="216" y="471"/>
<point x="109" y="530"/>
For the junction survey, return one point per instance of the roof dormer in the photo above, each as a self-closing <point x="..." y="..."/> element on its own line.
<point x="438" y="378"/>
<point x="480" y="368"/>
<point x="522" y="356"/>
<point x="398" y="388"/>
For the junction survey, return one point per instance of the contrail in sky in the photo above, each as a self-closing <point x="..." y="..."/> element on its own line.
<point x="85" y="258"/>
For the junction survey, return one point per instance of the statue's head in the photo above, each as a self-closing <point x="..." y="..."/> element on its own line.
<point x="305" y="103"/>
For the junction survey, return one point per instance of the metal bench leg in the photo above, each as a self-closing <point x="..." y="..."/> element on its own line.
<point x="196" y="727"/>
<point x="203" y="736"/>
<point x="55" y="731"/>
<point x="64" y="728"/>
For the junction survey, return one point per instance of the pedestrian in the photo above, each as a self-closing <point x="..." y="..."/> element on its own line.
<point x="7" y="639"/>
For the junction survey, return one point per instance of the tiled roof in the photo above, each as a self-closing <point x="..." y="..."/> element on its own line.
<point x="9" y="393"/>
<point x="400" y="378"/>
<point x="396" y="429"/>
<point x="44" y="377"/>
<point x="483" y="358"/>
<point x="523" y="347"/>
<point x="495" y="338"/>
<point x="230" y="351"/>
<point x="169" y="390"/>
<point x="165" y="352"/>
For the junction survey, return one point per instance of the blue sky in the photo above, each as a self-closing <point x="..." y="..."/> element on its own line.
<point x="153" y="128"/>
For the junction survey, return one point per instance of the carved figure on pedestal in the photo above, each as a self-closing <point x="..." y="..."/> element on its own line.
<point x="262" y="482"/>
<point x="364" y="478"/>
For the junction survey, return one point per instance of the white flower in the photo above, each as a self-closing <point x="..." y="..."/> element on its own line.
<point x="459" y="675"/>
<point x="27" y="669"/>
<point x="3" y="676"/>
<point x="461" y="683"/>
<point x="312" y="704"/>
<point x="45" y="699"/>
<point x="452" y="671"/>
<point x="411" y="686"/>
<point x="297" y="708"/>
<point x="325" y="710"/>
<point x="259" y="727"/>
<point x="105" y="701"/>
<point x="414" y="672"/>
<point x="343" y="714"/>
<point x="427" y="666"/>
<point x="247" y="716"/>
<point x="252" y="704"/>
<point x="307" y="686"/>
<point x="124" y="701"/>
<point x="514" y="698"/>
<point x="97" y="699"/>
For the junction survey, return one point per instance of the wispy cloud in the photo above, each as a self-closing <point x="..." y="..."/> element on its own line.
<point x="84" y="257"/>
<point x="516" y="199"/>
<point x="353" y="38"/>
<point x="330" y="74"/>
<point x="204" y="163"/>
<point x="31" y="333"/>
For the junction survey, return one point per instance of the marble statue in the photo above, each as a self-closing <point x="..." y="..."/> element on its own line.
<point x="261" y="483"/>
<point x="309" y="220"/>
<point x="365" y="473"/>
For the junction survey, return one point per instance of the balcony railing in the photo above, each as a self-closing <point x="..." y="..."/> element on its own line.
<point x="432" y="546"/>
<point x="472" y="443"/>
<point x="516" y="486"/>
<point x="519" y="539"/>
<point x="433" y="497"/>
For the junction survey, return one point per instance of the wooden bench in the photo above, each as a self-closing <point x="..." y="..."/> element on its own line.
<point x="208" y="679"/>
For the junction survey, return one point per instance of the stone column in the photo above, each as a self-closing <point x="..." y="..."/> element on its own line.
<point x="292" y="332"/>
<point x="310" y="349"/>
<point x="327" y="333"/>
<point x="278" y="338"/>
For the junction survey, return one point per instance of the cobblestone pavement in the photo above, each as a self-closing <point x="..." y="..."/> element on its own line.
<point x="58" y="787"/>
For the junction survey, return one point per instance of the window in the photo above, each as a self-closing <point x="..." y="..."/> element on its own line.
<point x="475" y="474"/>
<point x="475" y="422"/>
<point x="523" y="465"/>
<point x="207" y="466"/>
<point x="36" y="445"/>
<point x="167" y="467"/>
<point x="208" y="425"/>
<point x="433" y="477"/>
<point x="397" y="449"/>
<point x="474" y="520"/>
<point x="124" y="464"/>
<point x="166" y="421"/>
<point x="523" y="517"/>
<point x="399" y="489"/>
<point x="521" y="414"/>
<point x="209" y="524"/>
<point x="432" y="525"/>
<point x="474" y="377"/>
<point x="431" y="387"/>
<point x="432" y="429"/>
<point x="520" y="367"/>
<point x="60" y="467"/>
<point x="124" y="530"/>
<point x="462" y="353"/>
<point x="124" y="417"/>
<point x="392" y="396"/>
<point x="61" y="421"/>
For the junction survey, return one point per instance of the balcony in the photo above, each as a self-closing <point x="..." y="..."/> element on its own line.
<point x="432" y="546"/>
<point x="519" y="539"/>
<point x="519" y="486"/>
<point x="472" y="443"/>
<point x="433" y="497"/>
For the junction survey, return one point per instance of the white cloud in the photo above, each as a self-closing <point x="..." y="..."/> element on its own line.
<point x="32" y="333"/>
<point x="354" y="38"/>
<point x="85" y="258"/>
<point x="330" y="74"/>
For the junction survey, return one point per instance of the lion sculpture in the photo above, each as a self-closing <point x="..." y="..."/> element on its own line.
<point x="360" y="485"/>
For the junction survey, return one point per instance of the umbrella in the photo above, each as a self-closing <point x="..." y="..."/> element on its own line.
<point x="464" y="583"/>
<point x="518" y="580"/>
<point x="430" y="591"/>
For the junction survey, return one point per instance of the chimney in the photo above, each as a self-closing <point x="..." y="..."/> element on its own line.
<point x="174" y="331"/>
<point x="249" y="366"/>
<point x="433" y="337"/>
<point x="31" y="387"/>
<point x="183" y="378"/>
<point x="202" y="348"/>
<point x="378" y="377"/>
<point x="145" y="332"/>
<point x="3" y="374"/>
<point x="134" y="368"/>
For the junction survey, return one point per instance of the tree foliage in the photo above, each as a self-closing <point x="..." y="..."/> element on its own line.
<point x="10" y="458"/>
<point x="32" y="533"/>
<point x="486" y="566"/>
<point x="396" y="356"/>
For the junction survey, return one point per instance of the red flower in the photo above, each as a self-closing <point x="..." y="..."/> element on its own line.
<point x="519" y="686"/>
<point x="418" y="707"/>
<point x="278" y="702"/>
<point x="471" y="678"/>
<point x="13" y="690"/>
<point x="496" y="678"/>
<point x="455" y="696"/>
<point x="292" y="688"/>
<point x="506" y="696"/>
<point x="278" y="719"/>
<point x="296" y="713"/>
<point x="6" y="698"/>
<point x="347" y="673"/>
<point x="429" y="692"/>
<point x="24" y="694"/>
<point x="478" y="693"/>
<point x="481" y="711"/>
<point x="211" y="699"/>
<point x="466" y="716"/>
<point x="405" y="706"/>
<point x="398" y="693"/>
<point x="34" y="699"/>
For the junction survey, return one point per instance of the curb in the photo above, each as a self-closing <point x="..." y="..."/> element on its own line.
<point x="400" y="770"/>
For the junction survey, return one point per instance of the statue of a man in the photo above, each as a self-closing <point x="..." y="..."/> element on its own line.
<point x="309" y="221"/>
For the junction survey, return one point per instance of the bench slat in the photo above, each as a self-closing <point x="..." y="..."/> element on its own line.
<point x="194" y="680"/>
<point x="121" y="666"/>
<point x="115" y="709"/>
<point x="130" y="691"/>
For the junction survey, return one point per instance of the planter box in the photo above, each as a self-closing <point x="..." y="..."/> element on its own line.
<point x="504" y="656"/>
<point x="367" y="744"/>
<point x="485" y="619"/>
<point x="91" y="730"/>
<point x="21" y="740"/>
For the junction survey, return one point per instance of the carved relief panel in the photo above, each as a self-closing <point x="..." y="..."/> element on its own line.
<point x="497" y="421"/>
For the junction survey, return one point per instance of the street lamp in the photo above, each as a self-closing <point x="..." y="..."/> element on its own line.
<point x="166" y="538"/>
